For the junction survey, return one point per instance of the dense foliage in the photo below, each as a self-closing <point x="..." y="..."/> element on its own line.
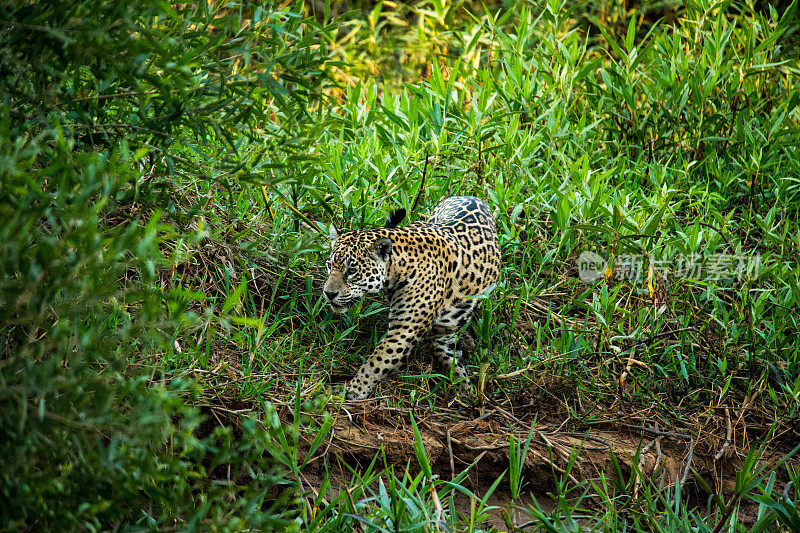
<point x="153" y="155"/>
<point x="107" y="108"/>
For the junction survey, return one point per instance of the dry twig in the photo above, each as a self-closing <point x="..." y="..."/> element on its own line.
<point x="728" y="433"/>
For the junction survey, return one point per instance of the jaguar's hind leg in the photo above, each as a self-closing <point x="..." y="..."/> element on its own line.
<point x="450" y="357"/>
<point x="445" y="342"/>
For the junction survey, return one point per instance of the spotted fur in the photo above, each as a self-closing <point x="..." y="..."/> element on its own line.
<point x="428" y="270"/>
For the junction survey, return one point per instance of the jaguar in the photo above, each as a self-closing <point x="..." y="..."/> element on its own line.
<point x="433" y="273"/>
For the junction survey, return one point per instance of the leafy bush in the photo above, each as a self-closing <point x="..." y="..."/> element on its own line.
<point x="105" y="105"/>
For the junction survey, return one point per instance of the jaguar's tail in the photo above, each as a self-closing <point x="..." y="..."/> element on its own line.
<point x="395" y="217"/>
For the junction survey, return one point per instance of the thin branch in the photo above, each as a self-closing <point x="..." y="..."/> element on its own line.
<point x="728" y="434"/>
<point x="421" y="183"/>
<point x="724" y="238"/>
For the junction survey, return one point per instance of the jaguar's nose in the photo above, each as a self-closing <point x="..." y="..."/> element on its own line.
<point x="330" y="295"/>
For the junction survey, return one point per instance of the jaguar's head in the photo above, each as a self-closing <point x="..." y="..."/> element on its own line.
<point x="357" y="266"/>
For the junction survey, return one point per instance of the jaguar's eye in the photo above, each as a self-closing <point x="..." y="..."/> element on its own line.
<point x="351" y="271"/>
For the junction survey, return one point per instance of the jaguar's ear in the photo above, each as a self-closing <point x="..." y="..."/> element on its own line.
<point x="382" y="248"/>
<point x="332" y="233"/>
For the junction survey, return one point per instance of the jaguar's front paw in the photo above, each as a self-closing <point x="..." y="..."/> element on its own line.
<point x="355" y="392"/>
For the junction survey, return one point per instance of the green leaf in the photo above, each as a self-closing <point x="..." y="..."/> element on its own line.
<point x="320" y="437"/>
<point x="631" y="34"/>
<point x="652" y="223"/>
<point x="419" y="450"/>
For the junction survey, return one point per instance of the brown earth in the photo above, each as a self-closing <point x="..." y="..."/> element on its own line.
<point x="457" y="437"/>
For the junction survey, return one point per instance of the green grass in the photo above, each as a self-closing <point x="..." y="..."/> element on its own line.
<point x="641" y="137"/>
<point x="630" y="144"/>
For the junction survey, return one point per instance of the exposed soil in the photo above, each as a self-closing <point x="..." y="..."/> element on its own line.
<point x="457" y="436"/>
